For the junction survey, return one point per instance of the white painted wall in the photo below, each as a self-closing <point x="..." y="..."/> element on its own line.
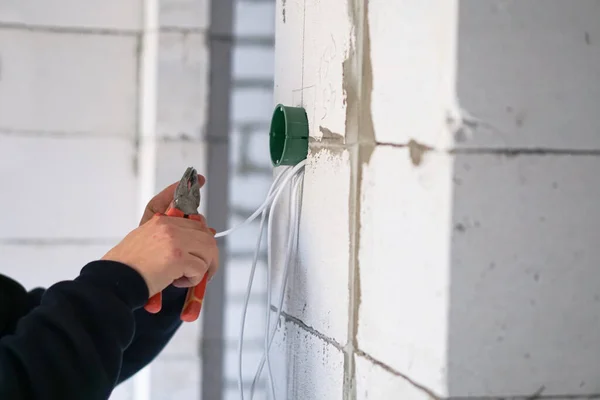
<point x="463" y="268"/>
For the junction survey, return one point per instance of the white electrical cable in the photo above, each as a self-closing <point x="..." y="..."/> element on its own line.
<point x="269" y="336"/>
<point x="273" y="188"/>
<point x="266" y="203"/>
<point x="291" y="249"/>
<point x="267" y="342"/>
<point x="293" y="175"/>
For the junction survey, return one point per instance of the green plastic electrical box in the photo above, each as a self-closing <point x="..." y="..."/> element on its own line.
<point x="288" y="135"/>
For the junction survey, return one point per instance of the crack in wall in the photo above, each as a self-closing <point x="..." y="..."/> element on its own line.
<point x="537" y="395"/>
<point x="417" y="151"/>
<point x="463" y="126"/>
<point x="68" y="29"/>
<point x="309" y="329"/>
<point x="394" y="372"/>
<point x="531" y="151"/>
<point x="7" y="131"/>
<point x="163" y="137"/>
<point x="251" y="40"/>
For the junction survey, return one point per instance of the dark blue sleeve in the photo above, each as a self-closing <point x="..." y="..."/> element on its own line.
<point x="81" y="339"/>
<point x="153" y="332"/>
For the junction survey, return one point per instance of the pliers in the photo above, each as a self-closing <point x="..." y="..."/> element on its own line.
<point x="185" y="205"/>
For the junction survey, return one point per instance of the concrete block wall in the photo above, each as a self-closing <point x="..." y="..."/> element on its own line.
<point x="370" y="203"/>
<point x="448" y="232"/>
<point x="524" y="255"/>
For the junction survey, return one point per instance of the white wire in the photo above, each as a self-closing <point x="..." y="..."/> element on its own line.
<point x="291" y="248"/>
<point x="291" y="229"/>
<point x="275" y="191"/>
<point x="273" y="187"/>
<point x="267" y="202"/>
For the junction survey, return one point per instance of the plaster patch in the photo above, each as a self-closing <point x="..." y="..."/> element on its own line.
<point x="336" y="159"/>
<point x="328" y="136"/>
<point x="417" y="151"/>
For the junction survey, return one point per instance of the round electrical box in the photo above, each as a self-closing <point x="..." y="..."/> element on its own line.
<point x="288" y="135"/>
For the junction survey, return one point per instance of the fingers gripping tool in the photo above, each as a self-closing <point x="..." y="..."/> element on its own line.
<point x="185" y="205"/>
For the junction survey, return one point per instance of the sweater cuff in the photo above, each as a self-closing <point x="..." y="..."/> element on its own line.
<point x="117" y="278"/>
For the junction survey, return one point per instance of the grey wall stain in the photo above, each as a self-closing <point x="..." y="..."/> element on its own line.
<point x="330" y="136"/>
<point x="416" y="151"/>
<point x="350" y="80"/>
<point x="520" y="118"/>
<point x="357" y="84"/>
<point x="315" y="148"/>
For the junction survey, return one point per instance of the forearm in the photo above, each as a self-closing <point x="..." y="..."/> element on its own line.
<point x="71" y="346"/>
<point x="153" y="332"/>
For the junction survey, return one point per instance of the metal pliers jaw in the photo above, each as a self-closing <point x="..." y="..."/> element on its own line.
<point x="187" y="193"/>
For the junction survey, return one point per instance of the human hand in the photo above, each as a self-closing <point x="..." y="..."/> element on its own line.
<point x="167" y="250"/>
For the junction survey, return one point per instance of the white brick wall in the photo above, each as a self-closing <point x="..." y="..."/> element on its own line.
<point x="68" y="123"/>
<point x="189" y="14"/>
<point x="182" y="93"/>
<point x="47" y="79"/>
<point x="60" y="14"/>
<point x="469" y="269"/>
<point x="306" y="366"/>
<point x="250" y="178"/>
<point x="56" y="184"/>
<point x="403" y="259"/>
<point x="42" y="264"/>
<point x="318" y="293"/>
<point x="374" y="382"/>
<point x="536" y="288"/>
<point x="541" y="89"/>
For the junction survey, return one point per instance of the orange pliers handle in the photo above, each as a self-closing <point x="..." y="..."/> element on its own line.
<point x="195" y="295"/>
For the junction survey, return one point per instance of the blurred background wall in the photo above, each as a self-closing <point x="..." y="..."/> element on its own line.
<point x="81" y="148"/>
